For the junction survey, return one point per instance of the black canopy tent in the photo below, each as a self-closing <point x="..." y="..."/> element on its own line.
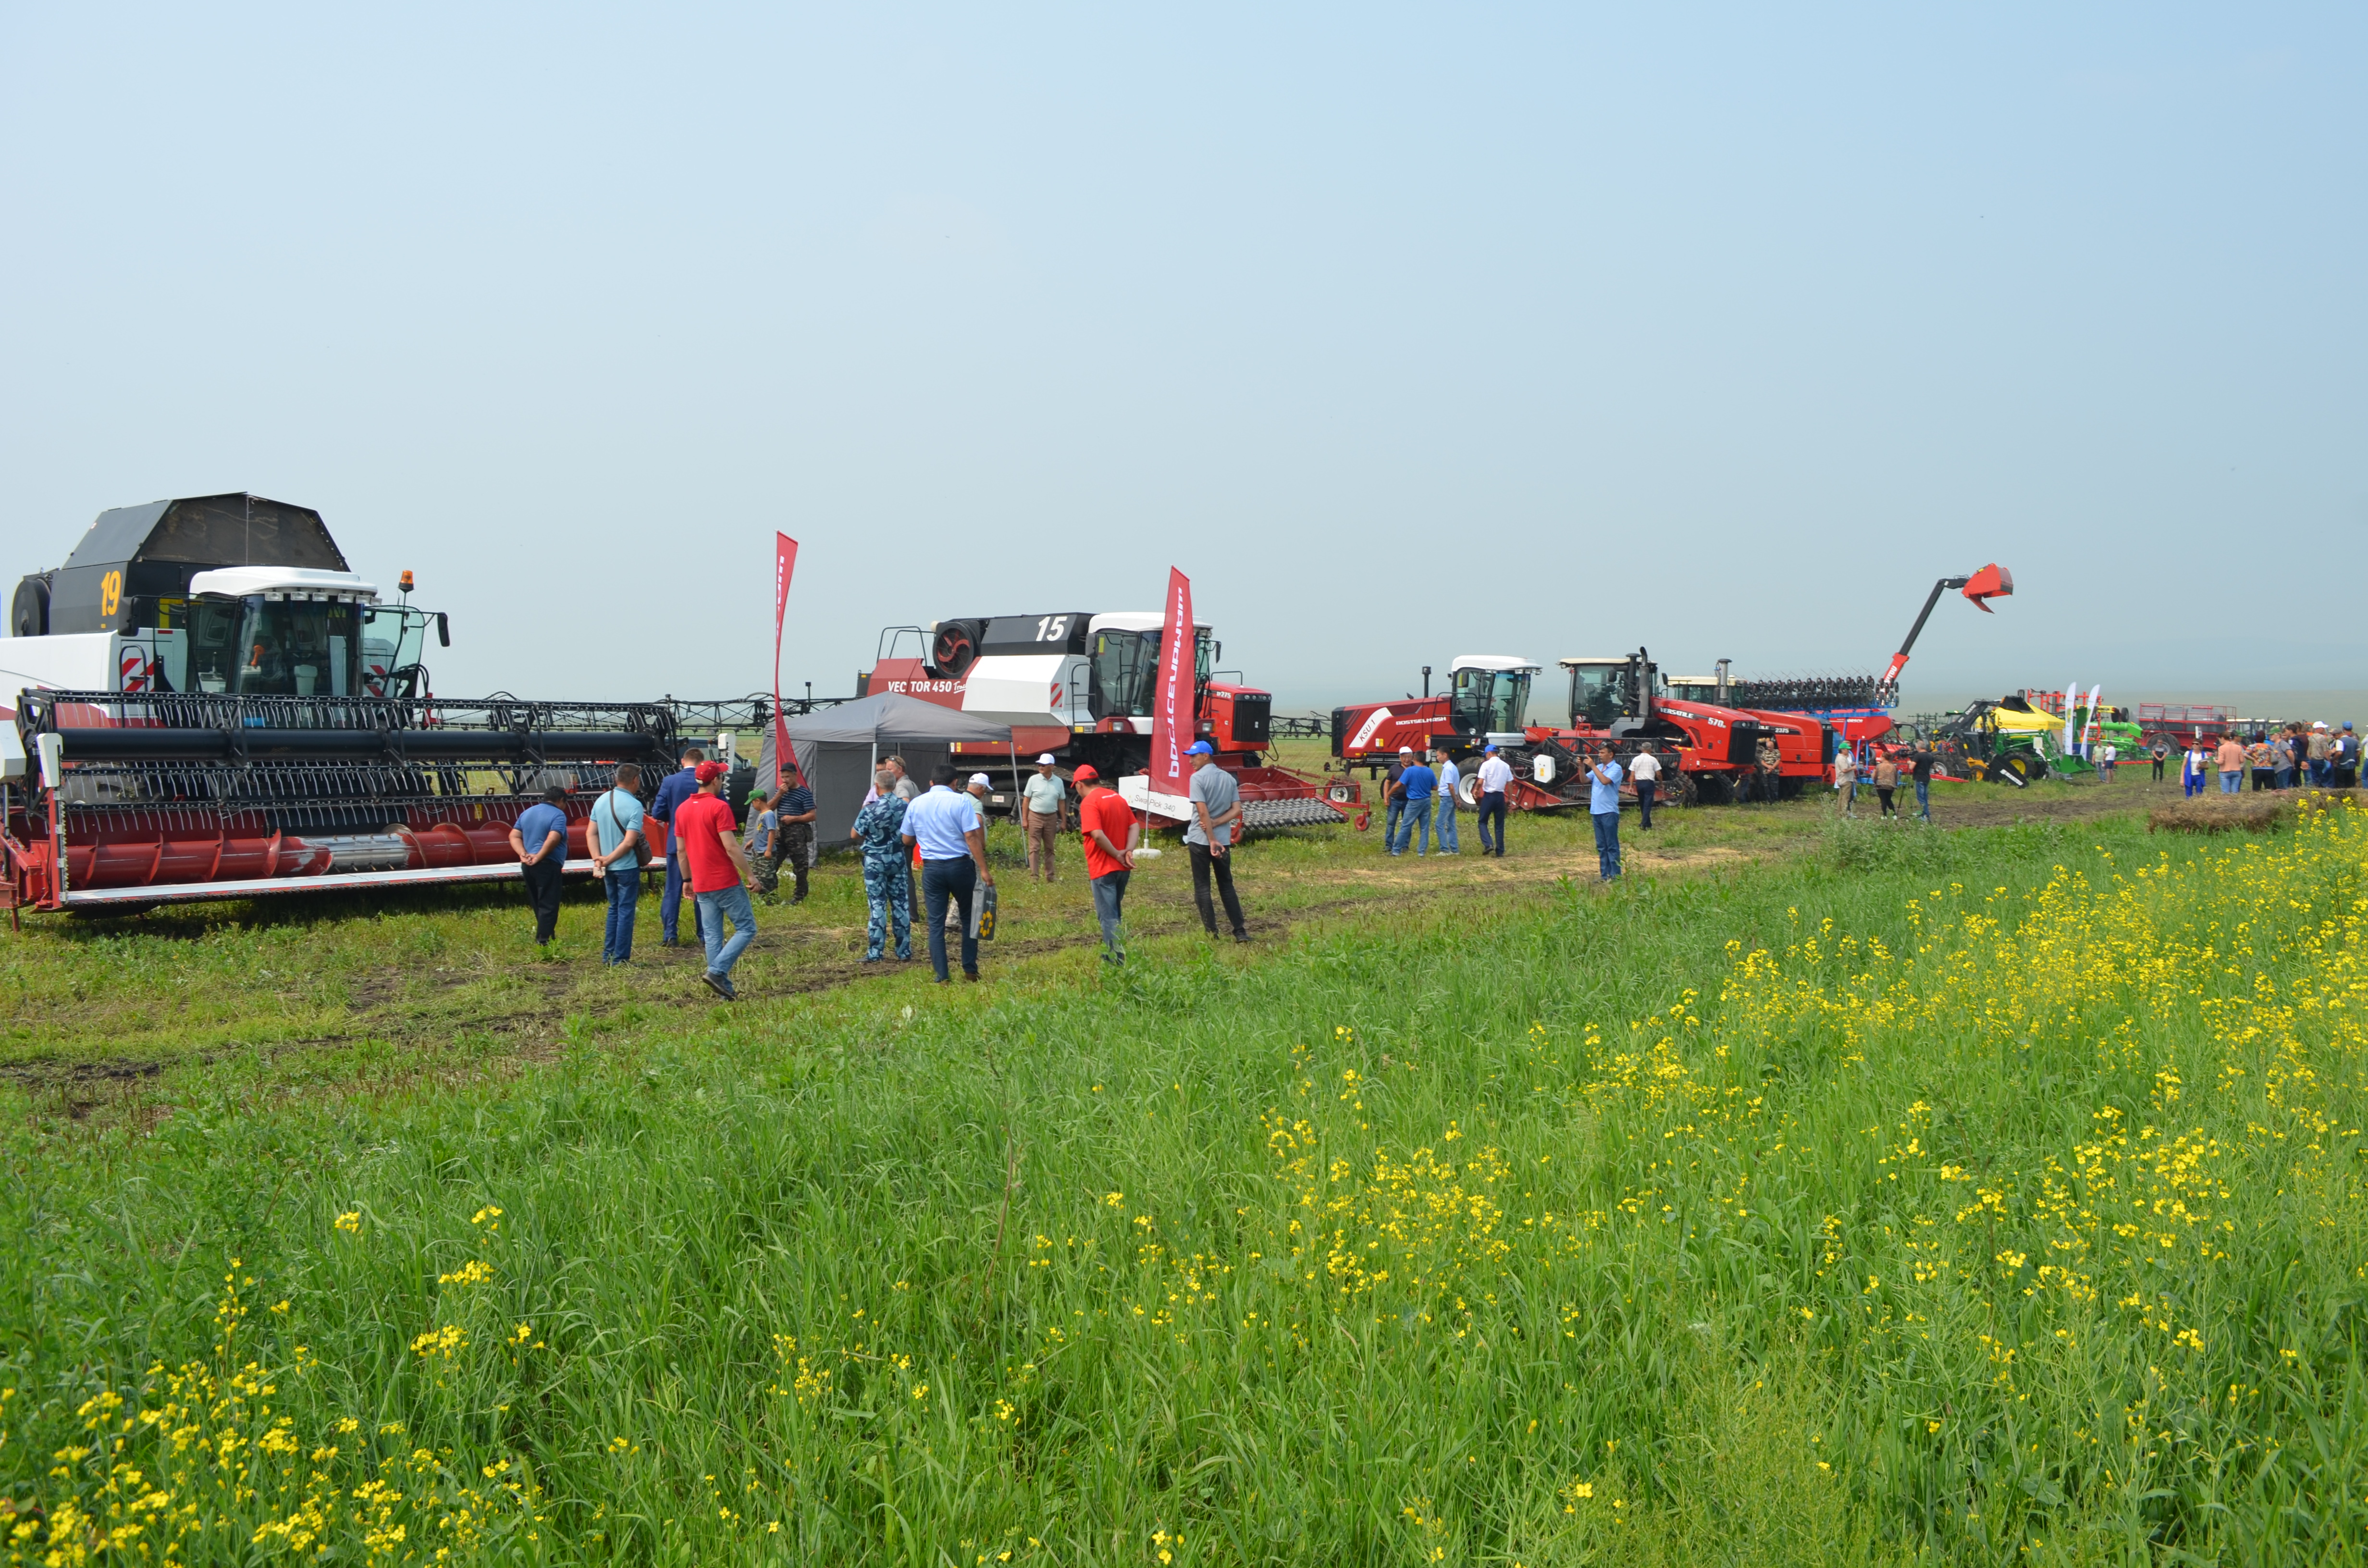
<point x="839" y="748"/>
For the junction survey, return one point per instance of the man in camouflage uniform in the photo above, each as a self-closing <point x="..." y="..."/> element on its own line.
<point x="887" y="879"/>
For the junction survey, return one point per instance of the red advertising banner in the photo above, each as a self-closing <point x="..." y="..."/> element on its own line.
<point x="1173" y="717"/>
<point x="785" y="561"/>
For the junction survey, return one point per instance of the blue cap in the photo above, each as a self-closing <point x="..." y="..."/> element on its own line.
<point x="1199" y="748"/>
<point x="1489" y="751"/>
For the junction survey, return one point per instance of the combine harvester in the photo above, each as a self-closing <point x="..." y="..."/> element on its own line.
<point x="1081" y="686"/>
<point x="205" y="701"/>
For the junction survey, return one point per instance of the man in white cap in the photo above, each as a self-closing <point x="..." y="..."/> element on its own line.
<point x="1044" y="812"/>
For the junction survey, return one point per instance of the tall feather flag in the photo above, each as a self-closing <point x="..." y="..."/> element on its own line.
<point x="785" y="561"/>
<point x="1173" y="717"/>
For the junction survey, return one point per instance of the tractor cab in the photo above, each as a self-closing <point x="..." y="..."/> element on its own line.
<point x="1603" y="689"/>
<point x="1488" y="693"/>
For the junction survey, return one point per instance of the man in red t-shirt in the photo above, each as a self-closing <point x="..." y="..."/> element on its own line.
<point x="1111" y="832"/>
<point x="719" y="873"/>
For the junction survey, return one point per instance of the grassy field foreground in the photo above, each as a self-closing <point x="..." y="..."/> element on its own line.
<point x="1919" y="1196"/>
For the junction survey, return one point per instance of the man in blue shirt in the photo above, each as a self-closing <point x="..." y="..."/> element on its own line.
<point x="612" y="831"/>
<point x="1416" y="786"/>
<point x="673" y="790"/>
<point x="1603" y="805"/>
<point x="540" y="839"/>
<point x="944" y="825"/>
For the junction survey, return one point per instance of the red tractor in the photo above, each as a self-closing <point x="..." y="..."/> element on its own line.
<point x="1486" y="702"/>
<point x="1079" y="685"/>
<point x="1709" y="753"/>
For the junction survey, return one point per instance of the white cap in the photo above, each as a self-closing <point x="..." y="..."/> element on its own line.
<point x="980" y="779"/>
<point x="1405" y="751"/>
<point x="1045" y="760"/>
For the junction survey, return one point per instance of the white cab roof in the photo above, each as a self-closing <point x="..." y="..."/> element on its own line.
<point x="1614" y="659"/>
<point x="1491" y="661"/>
<point x="1132" y="620"/>
<point x="238" y="582"/>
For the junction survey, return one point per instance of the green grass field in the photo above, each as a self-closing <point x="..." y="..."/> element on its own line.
<point x="1824" y="1192"/>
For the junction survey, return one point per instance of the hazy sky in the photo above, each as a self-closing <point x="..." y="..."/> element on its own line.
<point x="1404" y="332"/>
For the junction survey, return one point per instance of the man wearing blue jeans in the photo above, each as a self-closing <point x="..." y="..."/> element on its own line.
<point x="1496" y="778"/>
<point x="615" y="831"/>
<point x="1416" y="786"/>
<point x="1394" y="798"/>
<point x="720" y="875"/>
<point x="1449" y="778"/>
<point x="943" y="824"/>
<point x="673" y="790"/>
<point x="1603" y="805"/>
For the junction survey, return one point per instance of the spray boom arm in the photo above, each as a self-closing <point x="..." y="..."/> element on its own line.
<point x="1992" y="582"/>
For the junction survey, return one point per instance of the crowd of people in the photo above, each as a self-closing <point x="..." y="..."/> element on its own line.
<point x="2313" y="754"/>
<point x="924" y="854"/>
<point x="924" y="849"/>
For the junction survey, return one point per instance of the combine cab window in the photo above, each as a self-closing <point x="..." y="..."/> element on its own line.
<point x="1489" y="701"/>
<point x="1126" y="671"/>
<point x="392" y="639"/>
<point x="260" y="647"/>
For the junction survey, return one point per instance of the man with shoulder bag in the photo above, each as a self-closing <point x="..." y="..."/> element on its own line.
<point x="619" y="849"/>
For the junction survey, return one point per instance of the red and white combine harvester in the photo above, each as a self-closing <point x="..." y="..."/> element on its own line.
<point x="205" y="701"/>
<point x="1082" y="685"/>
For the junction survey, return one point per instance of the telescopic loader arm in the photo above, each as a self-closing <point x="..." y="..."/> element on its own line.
<point x="1992" y="582"/>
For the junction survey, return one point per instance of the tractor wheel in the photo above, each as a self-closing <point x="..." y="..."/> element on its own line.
<point x="1339" y="794"/>
<point x="1688" y="792"/>
<point x="1364" y="820"/>
<point x="1714" y="788"/>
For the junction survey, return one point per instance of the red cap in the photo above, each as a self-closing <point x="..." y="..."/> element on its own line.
<point x="708" y="772"/>
<point x="1086" y="775"/>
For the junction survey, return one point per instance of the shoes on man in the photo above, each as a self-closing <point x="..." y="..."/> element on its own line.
<point x="722" y="985"/>
<point x="1113" y="960"/>
<point x="1241" y="936"/>
<point x="671" y="942"/>
<point x="872" y="958"/>
<point x="970" y="974"/>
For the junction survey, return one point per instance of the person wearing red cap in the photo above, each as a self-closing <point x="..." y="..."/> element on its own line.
<point x="718" y="873"/>
<point x="1112" y="836"/>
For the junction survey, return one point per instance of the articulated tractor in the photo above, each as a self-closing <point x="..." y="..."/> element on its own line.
<point x="207" y="701"/>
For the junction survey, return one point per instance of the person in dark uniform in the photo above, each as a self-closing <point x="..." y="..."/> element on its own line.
<point x="673" y="790"/>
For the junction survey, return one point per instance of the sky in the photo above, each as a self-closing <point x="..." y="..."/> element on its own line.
<point x="1404" y="331"/>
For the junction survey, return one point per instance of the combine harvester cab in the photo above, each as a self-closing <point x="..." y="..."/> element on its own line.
<point x="1079" y="685"/>
<point x="185" y="728"/>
